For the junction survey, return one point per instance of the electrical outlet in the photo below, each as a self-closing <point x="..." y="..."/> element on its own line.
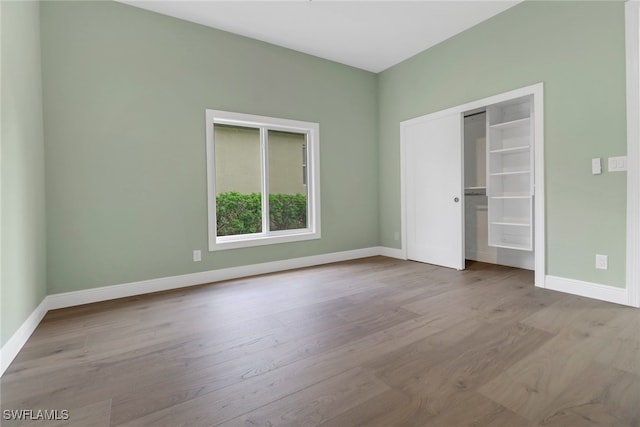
<point x="602" y="262"/>
<point x="197" y="255"/>
<point x="617" y="164"/>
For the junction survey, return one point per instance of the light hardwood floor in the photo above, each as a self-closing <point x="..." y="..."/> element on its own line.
<point x="372" y="342"/>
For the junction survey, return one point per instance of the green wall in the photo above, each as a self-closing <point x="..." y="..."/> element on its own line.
<point x="125" y="93"/>
<point x="23" y="263"/>
<point x="577" y="50"/>
<point x="123" y="97"/>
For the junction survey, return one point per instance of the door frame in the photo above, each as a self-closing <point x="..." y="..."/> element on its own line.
<point x="632" y="46"/>
<point x="536" y="90"/>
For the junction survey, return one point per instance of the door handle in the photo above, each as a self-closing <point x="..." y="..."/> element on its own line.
<point x="456" y="199"/>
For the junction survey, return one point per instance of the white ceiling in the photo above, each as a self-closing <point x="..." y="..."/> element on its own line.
<point x="372" y="35"/>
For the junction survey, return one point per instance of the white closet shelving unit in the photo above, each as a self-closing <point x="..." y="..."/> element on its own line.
<point x="510" y="186"/>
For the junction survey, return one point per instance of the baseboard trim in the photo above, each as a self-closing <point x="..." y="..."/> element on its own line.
<point x="10" y="350"/>
<point x="587" y="289"/>
<point x="392" y="252"/>
<point x="69" y="299"/>
<point x="105" y="293"/>
<point x="12" y="347"/>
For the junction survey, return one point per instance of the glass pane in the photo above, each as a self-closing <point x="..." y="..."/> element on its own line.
<point x="238" y="180"/>
<point x="287" y="180"/>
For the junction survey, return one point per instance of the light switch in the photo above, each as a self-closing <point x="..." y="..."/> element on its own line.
<point x="617" y="164"/>
<point x="596" y="166"/>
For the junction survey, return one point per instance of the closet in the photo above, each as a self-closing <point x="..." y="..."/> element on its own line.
<point x="472" y="183"/>
<point x="498" y="183"/>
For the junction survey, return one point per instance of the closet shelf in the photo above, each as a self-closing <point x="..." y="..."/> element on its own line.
<point x="510" y="124"/>
<point x="522" y="247"/>
<point x="511" y="224"/>
<point x="509" y="166"/>
<point x="510" y="150"/>
<point x="510" y="173"/>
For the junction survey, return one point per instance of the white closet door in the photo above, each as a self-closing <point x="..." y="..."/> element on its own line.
<point x="433" y="185"/>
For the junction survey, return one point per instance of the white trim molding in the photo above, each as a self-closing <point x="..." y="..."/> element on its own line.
<point x="632" y="42"/>
<point x="12" y="347"/>
<point x="10" y="350"/>
<point x="392" y="252"/>
<point x="587" y="289"/>
<point x="105" y="293"/>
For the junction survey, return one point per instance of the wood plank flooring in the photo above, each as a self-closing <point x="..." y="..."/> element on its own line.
<point x="372" y="342"/>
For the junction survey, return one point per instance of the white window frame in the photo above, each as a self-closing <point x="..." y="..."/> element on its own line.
<point x="266" y="237"/>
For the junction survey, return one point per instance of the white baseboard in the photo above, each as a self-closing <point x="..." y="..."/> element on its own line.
<point x="68" y="299"/>
<point x="587" y="289"/>
<point x="392" y="252"/>
<point x="105" y="293"/>
<point x="10" y="349"/>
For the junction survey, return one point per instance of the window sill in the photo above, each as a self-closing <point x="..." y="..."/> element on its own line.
<point x="251" y="240"/>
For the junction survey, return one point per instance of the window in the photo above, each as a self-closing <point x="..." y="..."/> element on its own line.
<point x="262" y="180"/>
